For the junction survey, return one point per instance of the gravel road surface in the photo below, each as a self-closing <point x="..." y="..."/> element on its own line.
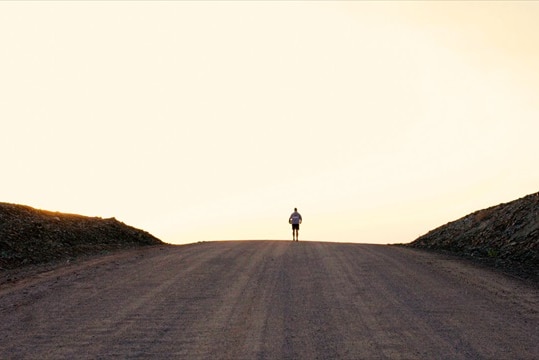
<point x="269" y="300"/>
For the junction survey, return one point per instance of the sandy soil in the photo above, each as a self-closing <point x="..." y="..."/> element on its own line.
<point x="270" y="300"/>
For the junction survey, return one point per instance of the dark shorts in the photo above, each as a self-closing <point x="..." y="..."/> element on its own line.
<point x="295" y="226"/>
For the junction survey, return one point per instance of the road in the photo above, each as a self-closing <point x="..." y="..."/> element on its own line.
<point x="269" y="300"/>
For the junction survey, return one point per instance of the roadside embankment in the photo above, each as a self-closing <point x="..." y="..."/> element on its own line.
<point x="30" y="236"/>
<point x="505" y="236"/>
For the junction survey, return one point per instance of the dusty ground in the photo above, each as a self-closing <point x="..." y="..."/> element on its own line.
<point x="269" y="300"/>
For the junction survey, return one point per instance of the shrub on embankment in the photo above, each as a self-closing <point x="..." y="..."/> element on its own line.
<point x="505" y="236"/>
<point x="31" y="236"/>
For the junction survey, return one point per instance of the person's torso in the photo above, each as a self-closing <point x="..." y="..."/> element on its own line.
<point x="296" y="218"/>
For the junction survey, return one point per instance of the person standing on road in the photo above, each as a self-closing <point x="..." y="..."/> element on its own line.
<point x="295" y="219"/>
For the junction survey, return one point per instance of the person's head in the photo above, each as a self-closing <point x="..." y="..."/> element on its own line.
<point x="295" y="209"/>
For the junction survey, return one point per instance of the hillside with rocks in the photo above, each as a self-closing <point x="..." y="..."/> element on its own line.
<point x="505" y="236"/>
<point x="30" y="236"/>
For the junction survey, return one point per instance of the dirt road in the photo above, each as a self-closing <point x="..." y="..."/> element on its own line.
<point x="270" y="300"/>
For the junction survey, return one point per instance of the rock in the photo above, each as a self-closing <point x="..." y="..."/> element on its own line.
<point x="31" y="236"/>
<point x="506" y="236"/>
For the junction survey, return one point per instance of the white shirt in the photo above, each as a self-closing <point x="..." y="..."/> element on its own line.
<point x="295" y="218"/>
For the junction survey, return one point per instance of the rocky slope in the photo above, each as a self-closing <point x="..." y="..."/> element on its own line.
<point x="506" y="236"/>
<point x="31" y="236"/>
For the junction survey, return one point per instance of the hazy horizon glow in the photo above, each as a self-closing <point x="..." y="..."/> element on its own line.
<point x="200" y="121"/>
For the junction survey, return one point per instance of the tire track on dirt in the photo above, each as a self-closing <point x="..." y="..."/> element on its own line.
<point x="270" y="300"/>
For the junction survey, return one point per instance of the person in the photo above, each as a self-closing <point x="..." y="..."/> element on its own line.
<point x="295" y="219"/>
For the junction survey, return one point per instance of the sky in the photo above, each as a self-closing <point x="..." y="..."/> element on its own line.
<point x="200" y="121"/>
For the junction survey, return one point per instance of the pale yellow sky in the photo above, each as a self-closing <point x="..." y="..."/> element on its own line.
<point x="213" y="120"/>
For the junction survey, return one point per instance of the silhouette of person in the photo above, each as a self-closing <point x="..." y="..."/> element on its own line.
<point x="295" y="219"/>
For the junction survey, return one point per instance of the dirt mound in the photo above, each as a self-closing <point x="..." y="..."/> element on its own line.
<point x="31" y="236"/>
<point x="505" y="236"/>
